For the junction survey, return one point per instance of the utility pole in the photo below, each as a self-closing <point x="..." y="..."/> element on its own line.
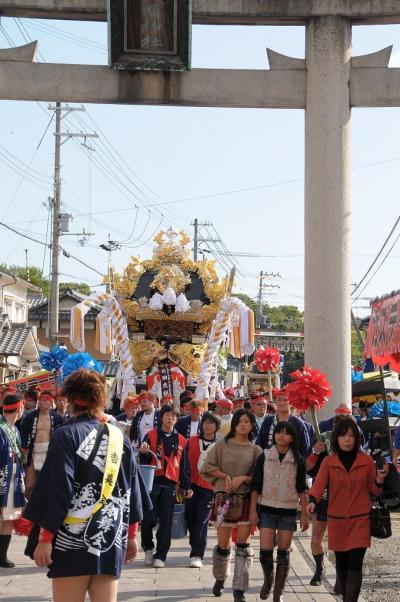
<point x="55" y="250"/>
<point x="259" y="301"/>
<point x="261" y="288"/>
<point x="56" y="214"/>
<point x="195" y="238"/>
<point x="28" y="276"/>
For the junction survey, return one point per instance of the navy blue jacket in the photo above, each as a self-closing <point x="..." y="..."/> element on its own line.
<point x="28" y="430"/>
<point x="303" y="439"/>
<point x="183" y="426"/>
<point x="135" y="432"/>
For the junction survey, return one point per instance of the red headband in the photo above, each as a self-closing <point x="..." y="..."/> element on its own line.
<point x="131" y="402"/>
<point x="82" y="403"/>
<point x="255" y="400"/>
<point x="342" y="409"/>
<point x="224" y="403"/>
<point x="13" y="406"/>
<point x="278" y="392"/>
<point x="46" y="395"/>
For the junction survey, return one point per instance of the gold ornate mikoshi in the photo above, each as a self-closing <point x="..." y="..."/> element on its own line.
<point x="170" y="302"/>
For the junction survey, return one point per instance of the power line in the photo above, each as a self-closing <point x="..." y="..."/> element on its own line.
<point x="64" y="251"/>
<point x="379" y="267"/>
<point x="65" y="33"/>
<point x="377" y="256"/>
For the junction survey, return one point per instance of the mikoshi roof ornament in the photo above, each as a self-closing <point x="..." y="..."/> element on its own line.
<point x="168" y="316"/>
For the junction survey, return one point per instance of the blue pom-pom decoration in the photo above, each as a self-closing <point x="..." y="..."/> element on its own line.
<point x="79" y="360"/>
<point x="53" y="360"/>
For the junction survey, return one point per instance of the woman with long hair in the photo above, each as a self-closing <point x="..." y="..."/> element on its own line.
<point x="87" y="499"/>
<point x="351" y="477"/>
<point x="278" y="483"/>
<point x="228" y="467"/>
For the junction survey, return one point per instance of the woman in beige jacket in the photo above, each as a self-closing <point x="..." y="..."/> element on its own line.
<point x="228" y="467"/>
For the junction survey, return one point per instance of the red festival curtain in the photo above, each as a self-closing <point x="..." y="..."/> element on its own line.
<point x="383" y="338"/>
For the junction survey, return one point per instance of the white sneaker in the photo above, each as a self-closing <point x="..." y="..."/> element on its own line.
<point x="158" y="564"/>
<point x="196" y="563"/>
<point x="148" y="557"/>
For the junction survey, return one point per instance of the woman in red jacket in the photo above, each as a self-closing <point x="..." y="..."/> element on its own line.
<point x="351" y="477"/>
<point x="198" y="507"/>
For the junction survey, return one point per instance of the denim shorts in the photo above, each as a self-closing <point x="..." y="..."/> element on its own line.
<point x="278" y="522"/>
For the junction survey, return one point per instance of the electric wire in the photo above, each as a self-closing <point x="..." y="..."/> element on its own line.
<point x="379" y="267"/>
<point x="377" y="256"/>
<point x="111" y="156"/>
<point x="141" y="234"/>
<point x="87" y="46"/>
<point x="133" y="229"/>
<point x="64" y="32"/>
<point x="129" y="167"/>
<point x="26" y="35"/>
<point x="149" y="238"/>
<point x="64" y="251"/>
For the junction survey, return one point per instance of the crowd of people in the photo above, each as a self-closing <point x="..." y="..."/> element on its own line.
<point x="71" y="467"/>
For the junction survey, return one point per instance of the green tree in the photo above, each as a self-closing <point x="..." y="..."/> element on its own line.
<point x="247" y="300"/>
<point x="81" y="287"/>
<point x="356" y="348"/>
<point x="294" y="360"/>
<point x="283" y="317"/>
<point x="34" y="275"/>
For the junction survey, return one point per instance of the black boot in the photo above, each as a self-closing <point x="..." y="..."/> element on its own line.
<point x="239" y="595"/>
<point x="340" y="583"/>
<point x="281" y="575"/>
<point x="353" y="586"/>
<point x="267" y="565"/>
<point x="319" y="569"/>
<point x="218" y="588"/>
<point x="4" y="543"/>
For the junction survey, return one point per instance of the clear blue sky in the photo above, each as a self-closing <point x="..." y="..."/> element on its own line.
<point x="181" y="153"/>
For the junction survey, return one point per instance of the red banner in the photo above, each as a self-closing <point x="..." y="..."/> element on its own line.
<point x="42" y="380"/>
<point x="383" y="336"/>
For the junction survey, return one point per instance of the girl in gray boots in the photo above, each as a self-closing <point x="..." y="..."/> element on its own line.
<point x="228" y="467"/>
<point x="279" y="481"/>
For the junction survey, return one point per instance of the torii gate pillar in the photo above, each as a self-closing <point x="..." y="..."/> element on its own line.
<point x="327" y="328"/>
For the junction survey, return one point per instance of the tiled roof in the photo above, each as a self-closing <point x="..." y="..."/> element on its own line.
<point x="110" y="368"/>
<point x="36" y="301"/>
<point x="13" y="339"/>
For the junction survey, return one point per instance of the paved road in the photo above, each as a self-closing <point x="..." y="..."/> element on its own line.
<point x="175" y="583"/>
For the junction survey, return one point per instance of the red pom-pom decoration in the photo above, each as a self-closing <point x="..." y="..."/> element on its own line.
<point x="310" y="389"/>
<point x="267" y="359"/>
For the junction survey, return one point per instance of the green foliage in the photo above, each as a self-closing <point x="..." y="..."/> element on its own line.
<point x="247" y="300"/>
<point x="35" y="276"/>
<point x="294" y="360"/>
<point x="283" y="317"/>
<point x="81" y="287"/>
<point x="356" y="348"/>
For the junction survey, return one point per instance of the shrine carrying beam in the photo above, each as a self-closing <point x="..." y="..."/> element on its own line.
<point x="221" y="12"/>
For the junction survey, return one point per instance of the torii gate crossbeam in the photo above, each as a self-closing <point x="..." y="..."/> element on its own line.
<point x="326" y="85"/>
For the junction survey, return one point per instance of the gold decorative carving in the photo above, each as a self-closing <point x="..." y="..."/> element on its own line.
<point x="173" y="276"/>
<point x="172" y="263"/>
<point x="145" y="353"/>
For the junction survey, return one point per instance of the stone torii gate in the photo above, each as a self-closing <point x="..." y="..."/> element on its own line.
<point x="326" y="84"/>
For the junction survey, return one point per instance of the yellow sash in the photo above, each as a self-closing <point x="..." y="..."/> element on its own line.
<point x="111" y="469"/>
